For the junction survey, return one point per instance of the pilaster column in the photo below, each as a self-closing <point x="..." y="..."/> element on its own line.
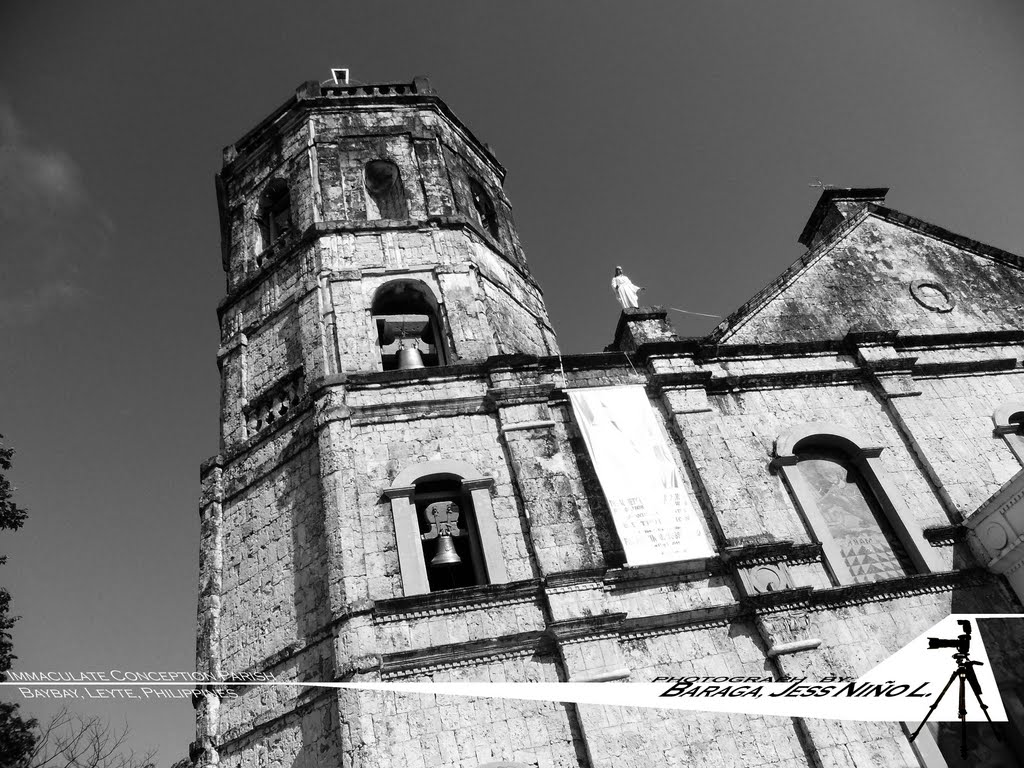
<point x="551" y="493"/>
<point x="203" y="752"/>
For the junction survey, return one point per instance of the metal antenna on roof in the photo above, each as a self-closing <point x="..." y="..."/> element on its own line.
<point x="820" y="184"/>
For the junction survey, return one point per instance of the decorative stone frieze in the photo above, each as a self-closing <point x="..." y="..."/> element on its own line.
<point x="272" y="406"/>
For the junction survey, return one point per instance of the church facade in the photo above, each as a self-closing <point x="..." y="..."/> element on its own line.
<point x="408" y="487"/>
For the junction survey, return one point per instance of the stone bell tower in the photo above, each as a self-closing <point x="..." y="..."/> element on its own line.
<point x="380" y="197"/>
<point x="369" y="250"/>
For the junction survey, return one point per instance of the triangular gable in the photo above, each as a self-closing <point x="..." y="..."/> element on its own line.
<point x="884" y="270"/>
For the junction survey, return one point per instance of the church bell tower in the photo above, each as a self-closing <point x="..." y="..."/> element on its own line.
<point x="373" y="266"/>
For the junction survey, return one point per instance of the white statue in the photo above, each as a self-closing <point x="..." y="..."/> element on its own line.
<point x="624" y="290"/>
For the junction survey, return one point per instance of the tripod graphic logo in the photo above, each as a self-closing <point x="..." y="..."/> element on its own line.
<point x="965" y="675"/>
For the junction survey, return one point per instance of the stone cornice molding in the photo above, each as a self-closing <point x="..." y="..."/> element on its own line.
<point x="771" y="552"/>
<point x="945" y="535"/>
<point x="586" y="628"/>
<point x="411" y="410"/>
<point x="427" y="660"/>
<point x="455" y="601"/>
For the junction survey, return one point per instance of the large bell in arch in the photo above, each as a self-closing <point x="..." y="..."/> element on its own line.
<point x="409" y="358"/>
<point x="406" y="314"/>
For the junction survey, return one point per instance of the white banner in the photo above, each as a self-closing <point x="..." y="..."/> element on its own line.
<point x="652" y="512"/>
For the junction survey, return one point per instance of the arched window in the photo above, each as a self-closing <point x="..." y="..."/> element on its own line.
<point x="484" y="208"/>
<point x="867" y="543"/>
<point x="1009" y="422"/>
<point x="407" y="319"/>
<point x="273" y="212"/>
<point x="850" y="506"/>
<point x="445" y="528"/>
<point x="385" y="193"/>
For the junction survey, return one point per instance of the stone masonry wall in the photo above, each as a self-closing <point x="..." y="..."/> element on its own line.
<point x="274" y="566"/>
<point x="634" y="738"/>
<point x="862" y="282"/>
<point x="732" y="446"/>
<point x="952" y="424"/>
<point x="385" y="449"/>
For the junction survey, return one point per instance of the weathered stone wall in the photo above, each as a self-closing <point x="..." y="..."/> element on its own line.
<point x="451" y="732"/>
<point x="732" y="446"/>
<point x="304" y="736"/>
<point x="952" y="423"/>
<point x="622" y="736"/>
<point x="861" y="280"/>
<point x="274" y="565"/>
<point x="392" y="447"/>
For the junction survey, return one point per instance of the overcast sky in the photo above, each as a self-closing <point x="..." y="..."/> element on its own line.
<point x="676" y="139"/>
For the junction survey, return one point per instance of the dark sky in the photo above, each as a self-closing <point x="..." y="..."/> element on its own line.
<point x="676" y="139"/>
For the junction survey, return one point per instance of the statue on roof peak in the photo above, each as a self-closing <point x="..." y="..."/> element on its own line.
<point x="624" y="290"/>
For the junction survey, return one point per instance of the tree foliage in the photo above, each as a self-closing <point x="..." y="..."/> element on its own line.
<point x="11" y="515"/>
<point x="17" y="735"/>
<point x="70" y="740"/>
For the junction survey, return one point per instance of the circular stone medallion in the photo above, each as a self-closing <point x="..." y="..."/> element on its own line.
<point x="995" y="537"/>
<point x="932" y="295"/>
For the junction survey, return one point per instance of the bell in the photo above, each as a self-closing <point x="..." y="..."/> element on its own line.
<point x="446" y="554"/>
<point x="409" y="357"/>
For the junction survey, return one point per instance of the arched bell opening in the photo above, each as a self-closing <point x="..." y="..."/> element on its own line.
<point x="273" y="212"/>
<point x="484" y="207"/>
<point x="448" y="534"/>
<point x="476" y="557"/>
<point x="386" y="194"/>
<point x="407" y="321"/>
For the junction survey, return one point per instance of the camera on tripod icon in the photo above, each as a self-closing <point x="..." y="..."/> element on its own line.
<point x="962" y="642"/>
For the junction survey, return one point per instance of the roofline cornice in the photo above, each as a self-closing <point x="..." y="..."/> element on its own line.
<point x="940" y="233"/>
